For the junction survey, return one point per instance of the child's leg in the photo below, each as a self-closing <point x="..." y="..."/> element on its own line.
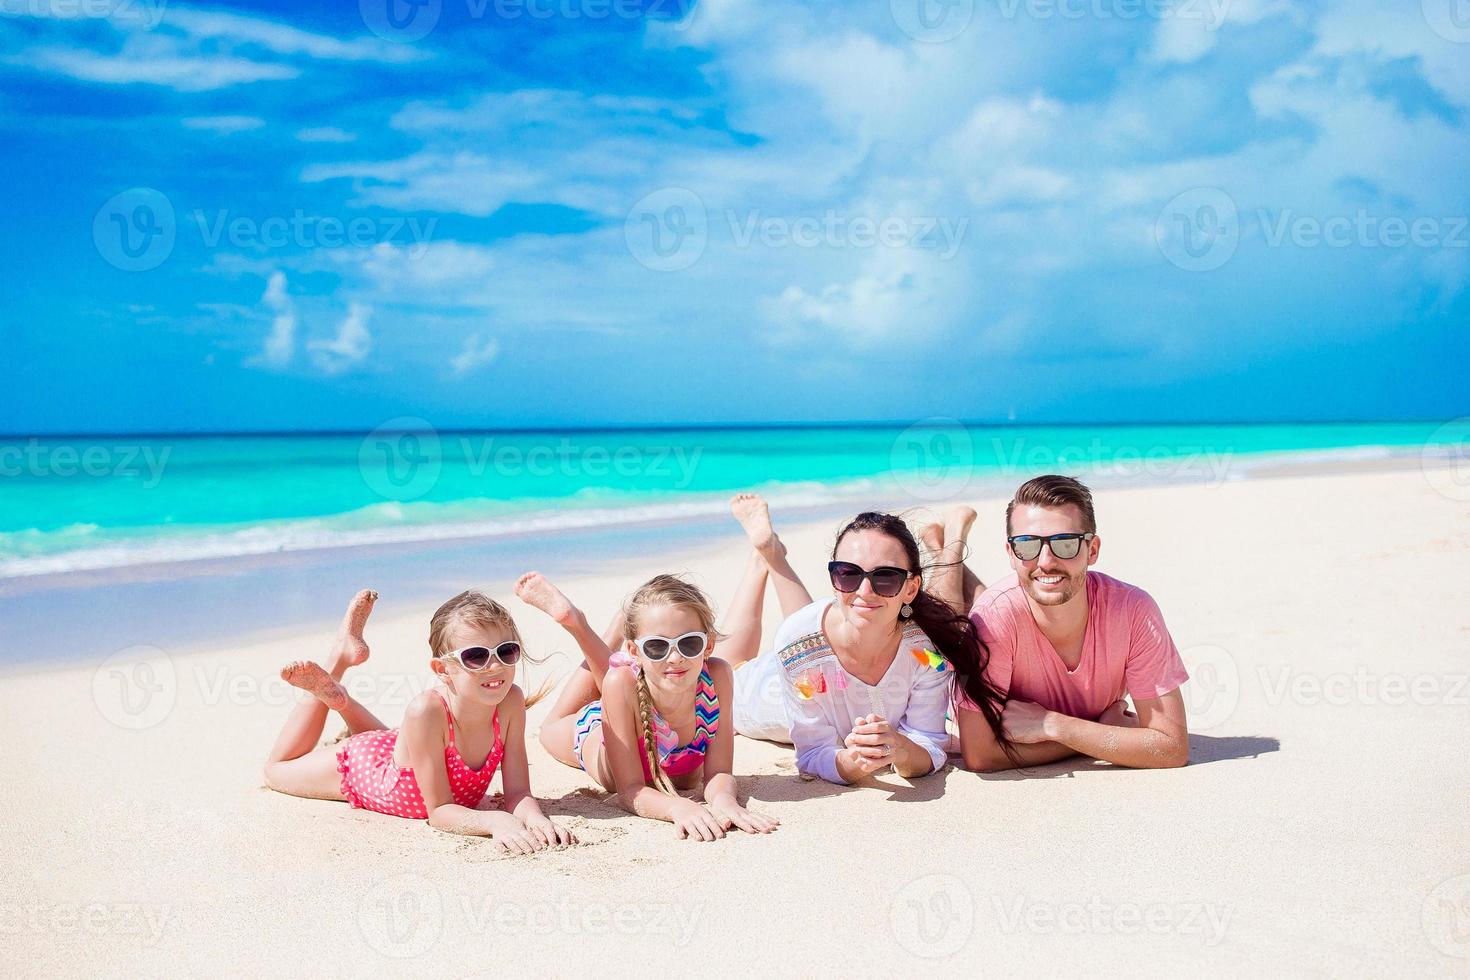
<point x="535" y="590"/>
<point x="742" y="624"/>
<point x="754" y="515"/>
<point x="303" y="728"/>
<point x="313" y="776"/>
<point x="949" y="577"/>
<point x="580" y="690"/>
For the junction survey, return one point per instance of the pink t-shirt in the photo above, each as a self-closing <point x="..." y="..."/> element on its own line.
<point x="1126" y="648"/>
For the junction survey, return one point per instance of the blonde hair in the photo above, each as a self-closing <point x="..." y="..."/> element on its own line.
<point x="662" y="590"/>
<point x="477" y="611"/>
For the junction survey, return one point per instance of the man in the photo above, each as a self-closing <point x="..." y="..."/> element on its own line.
<point x="1066" y="644"/>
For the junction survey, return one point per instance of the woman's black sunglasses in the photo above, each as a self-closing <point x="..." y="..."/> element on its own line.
<point x="1027" y="547"/>
<point x="886" y="580"/>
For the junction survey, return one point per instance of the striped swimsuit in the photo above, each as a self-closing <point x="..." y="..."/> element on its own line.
<point x="674" y="759"/>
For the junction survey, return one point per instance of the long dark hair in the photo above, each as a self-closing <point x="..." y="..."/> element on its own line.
<point x="953" y="634"/>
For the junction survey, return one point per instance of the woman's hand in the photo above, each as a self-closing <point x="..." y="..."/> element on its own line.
<point x="694" y="822"/>
<point x="872" y="744"/>
<point x="731" y="814"/>
<point x="511" y="834"/>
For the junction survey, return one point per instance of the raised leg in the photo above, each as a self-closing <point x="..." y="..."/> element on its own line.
<point x="947" y="576"/>
<point x="536" y="590"/>
<point x="742" y="623"/>
<point x="754" y="515"/>
<point x="303" y="728"/>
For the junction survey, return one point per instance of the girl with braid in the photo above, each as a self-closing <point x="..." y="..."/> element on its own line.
<point x="644" y="718"/>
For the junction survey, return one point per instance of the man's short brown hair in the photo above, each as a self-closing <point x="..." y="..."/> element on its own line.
<point x="1054" y="491"/>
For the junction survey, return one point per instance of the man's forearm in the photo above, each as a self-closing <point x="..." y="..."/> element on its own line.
<point x="1137" y="748"/>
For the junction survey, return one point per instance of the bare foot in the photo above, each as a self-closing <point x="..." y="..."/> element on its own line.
<point x="350" y="648"/>
<point x="534" y="589"/>
<point x="754" y="514"/>
<point x="932" y="535"/>
<point x="957" y="523"/>
<point x="315" y="681"/>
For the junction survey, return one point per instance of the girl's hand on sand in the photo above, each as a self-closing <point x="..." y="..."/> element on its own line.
<point x="511" y="835"/>
<point x="550" y="833"/>
<point x="737" y="816"/>
<point x="1025" y="722"/>
<point x="694" y="822"/>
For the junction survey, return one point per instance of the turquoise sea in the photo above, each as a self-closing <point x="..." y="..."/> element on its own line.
<point x="92" y="503"/>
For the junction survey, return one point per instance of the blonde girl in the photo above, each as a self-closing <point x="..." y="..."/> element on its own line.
<point x="645" y="720"/>
<point x="438" y="766"/>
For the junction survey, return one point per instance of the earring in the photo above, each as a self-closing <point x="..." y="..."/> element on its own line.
<point x="906" y="612"/>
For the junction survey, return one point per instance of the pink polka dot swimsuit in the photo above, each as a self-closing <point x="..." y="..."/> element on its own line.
<point x="371" y="781"/>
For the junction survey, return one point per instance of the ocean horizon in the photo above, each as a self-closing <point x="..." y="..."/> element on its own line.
<point x="89" y="503"/>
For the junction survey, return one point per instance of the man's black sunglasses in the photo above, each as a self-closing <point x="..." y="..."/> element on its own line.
<point x="1027" y="547"/>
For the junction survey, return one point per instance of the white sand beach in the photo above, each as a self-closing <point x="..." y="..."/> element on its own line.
<point x="1319" y="829"/>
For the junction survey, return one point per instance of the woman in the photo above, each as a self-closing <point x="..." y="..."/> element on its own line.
<point x="862" y="680"/>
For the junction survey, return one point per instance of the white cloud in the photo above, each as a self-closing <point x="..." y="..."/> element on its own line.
<point x="349" y="347"/>
<point x="475" y="354"/>
<point x="280" y="343"/>
<point x="224" y="125"/>
<point x="325" y="134"/>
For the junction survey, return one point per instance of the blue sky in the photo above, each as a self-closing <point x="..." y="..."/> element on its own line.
<point x="582" y="212"/>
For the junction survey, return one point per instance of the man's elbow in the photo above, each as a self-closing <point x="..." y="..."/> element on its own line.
<point x="1175" y="756"/>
